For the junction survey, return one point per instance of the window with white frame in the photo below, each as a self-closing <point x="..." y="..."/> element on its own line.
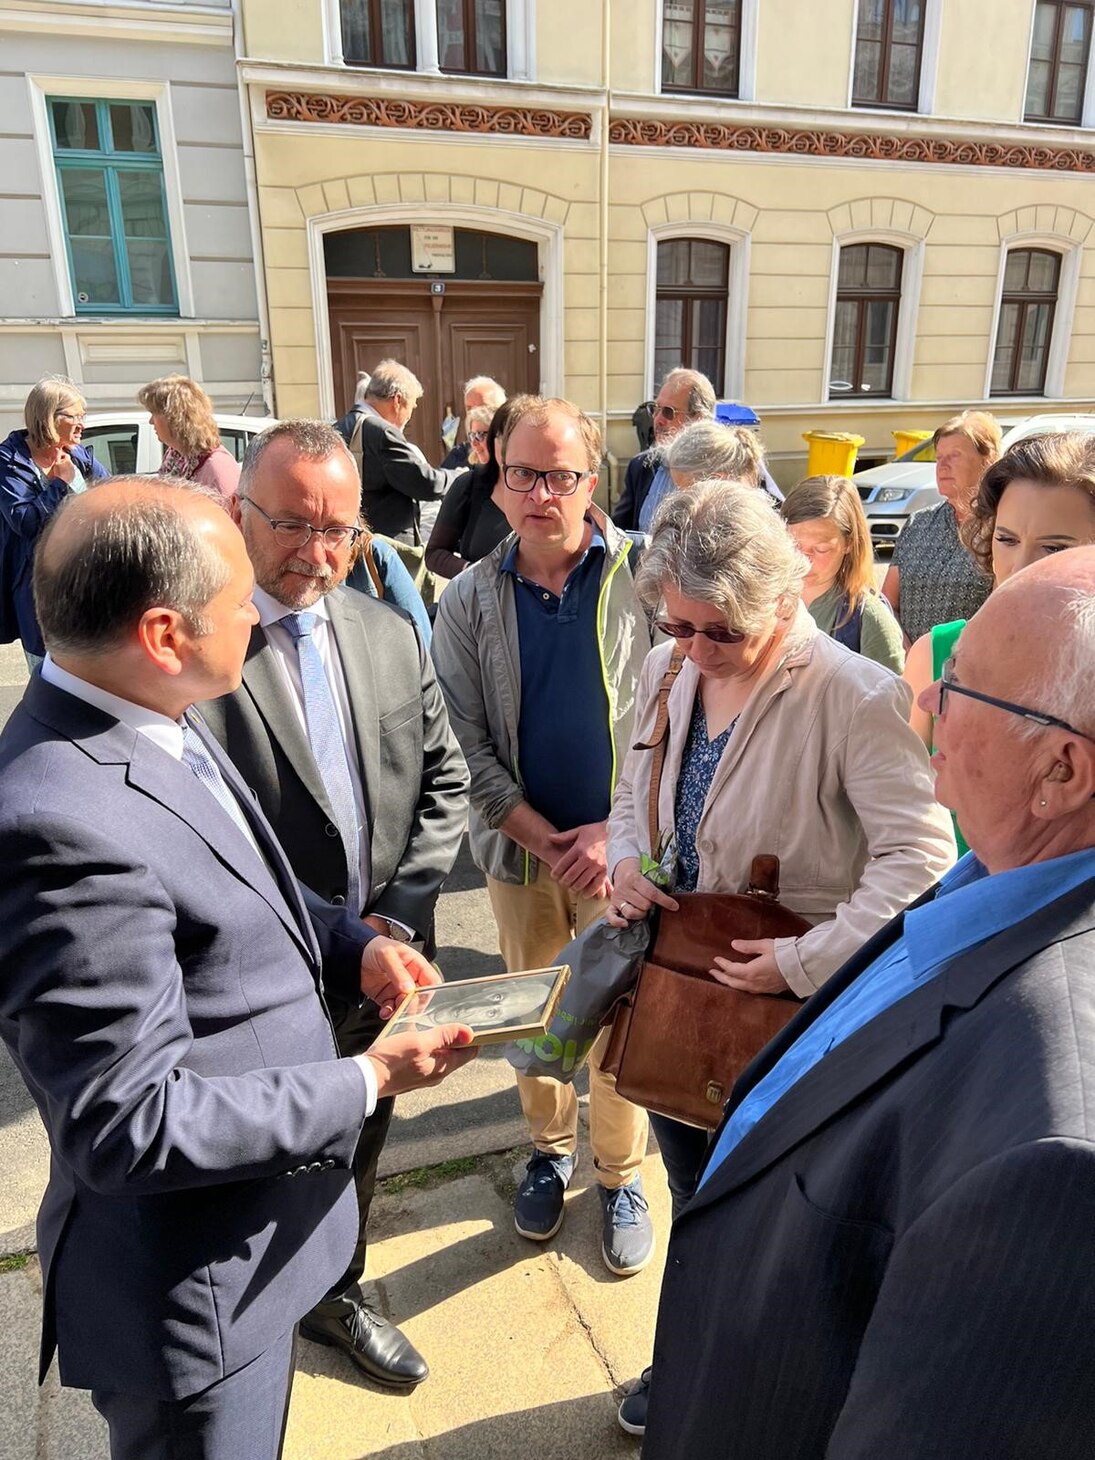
<point x="1060" y="53"/>
<point x="467" y="37"/>
<point x="1024" y="330"/>
<point x="865" y="321"/>
<point x="693" y="276"/>
<point x="701" y="46"/>
<point x="889" y="45"/>
<point x="110" y="185"/>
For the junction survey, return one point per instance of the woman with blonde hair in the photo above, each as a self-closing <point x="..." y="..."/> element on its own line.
<point x="39" y="467"/>
<point x="826" y="519"/>
<point x="182" y="417"/>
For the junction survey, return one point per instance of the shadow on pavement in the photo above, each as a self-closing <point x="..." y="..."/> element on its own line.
<point x="551" y="1432"/>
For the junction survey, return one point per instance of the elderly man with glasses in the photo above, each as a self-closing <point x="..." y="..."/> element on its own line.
<point x="538" y="649"/>
<point x="916" y="1151"/>
<point x="685" y="396"/>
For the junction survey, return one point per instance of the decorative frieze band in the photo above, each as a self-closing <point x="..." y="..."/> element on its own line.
<point x="871" y="147"/>
<point x="515" y="121"/>
<point x="427" y="116"/>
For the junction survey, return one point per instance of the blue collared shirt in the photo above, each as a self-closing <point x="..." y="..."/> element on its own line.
<point x="564" y="732"/>
<point x="969" y="908"/>
<point x="659" y="487"/>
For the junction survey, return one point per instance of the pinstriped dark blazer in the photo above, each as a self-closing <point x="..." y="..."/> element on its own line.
<point x="899" y="1259"/>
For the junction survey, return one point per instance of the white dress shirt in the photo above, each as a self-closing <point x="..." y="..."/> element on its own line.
<point x="168" y="735"/>
<point x="284" y="649"/>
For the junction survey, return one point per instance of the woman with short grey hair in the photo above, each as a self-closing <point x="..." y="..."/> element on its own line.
<point x="780" y="741"/>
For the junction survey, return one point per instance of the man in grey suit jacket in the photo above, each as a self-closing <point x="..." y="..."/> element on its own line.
<point x="163" y="994"/>
<point x="395" y="476"/>
<point x="296" y="506"/>
<point x="891" y="1251"/>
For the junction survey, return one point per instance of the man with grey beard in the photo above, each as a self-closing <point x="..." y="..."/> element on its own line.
<point x="340" y="730"/>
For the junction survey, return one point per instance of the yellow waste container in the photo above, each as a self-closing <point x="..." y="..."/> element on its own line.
<point x="832" y="453"/>
<point x="906" y="440"/>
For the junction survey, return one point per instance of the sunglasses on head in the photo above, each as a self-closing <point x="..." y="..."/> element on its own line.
<point x="716" y="633"/>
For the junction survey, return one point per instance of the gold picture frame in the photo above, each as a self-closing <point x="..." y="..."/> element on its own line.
<point x="498" y="1009"/>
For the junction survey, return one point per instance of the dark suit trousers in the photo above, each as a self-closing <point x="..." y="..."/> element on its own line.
<point x="241" y="1415"/>
<point x="356" y="1029"/>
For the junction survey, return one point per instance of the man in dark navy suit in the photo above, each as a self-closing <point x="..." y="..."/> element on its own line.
<point x="164" y="994"/>
<point x="891" y="1251"/>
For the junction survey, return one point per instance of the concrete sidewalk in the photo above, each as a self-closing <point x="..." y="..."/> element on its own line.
<point x="527" y="1344"/>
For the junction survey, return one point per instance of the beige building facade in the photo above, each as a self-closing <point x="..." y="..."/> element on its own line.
<point x="858" y="217"/>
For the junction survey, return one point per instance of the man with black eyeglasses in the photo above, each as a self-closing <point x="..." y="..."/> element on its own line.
<point x="340" y="730"/>
<point x="685" y="396"/>
<point x="891" y="1249"/>
<point x="538" y="649"/>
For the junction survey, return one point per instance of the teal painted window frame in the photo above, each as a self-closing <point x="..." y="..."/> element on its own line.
<point x="109" y="161"/>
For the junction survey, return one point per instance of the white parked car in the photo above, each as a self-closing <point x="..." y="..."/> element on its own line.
<point x="124" y="441"/>
<point x="892" y="493"/>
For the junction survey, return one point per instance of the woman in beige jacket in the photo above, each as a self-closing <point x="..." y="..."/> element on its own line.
<point x="780" y="741"/>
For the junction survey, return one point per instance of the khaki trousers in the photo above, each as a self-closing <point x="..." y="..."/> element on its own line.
<point x="534" y="924"/>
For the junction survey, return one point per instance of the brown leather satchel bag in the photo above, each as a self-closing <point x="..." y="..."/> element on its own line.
<point x="679" y="1038"/>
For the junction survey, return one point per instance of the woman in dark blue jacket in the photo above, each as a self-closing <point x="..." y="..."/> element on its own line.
<point x="39" y="467"/>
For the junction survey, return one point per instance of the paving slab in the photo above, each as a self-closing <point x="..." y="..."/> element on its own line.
<point x="528" y="1343"/>
<point x="20" y="1307"/>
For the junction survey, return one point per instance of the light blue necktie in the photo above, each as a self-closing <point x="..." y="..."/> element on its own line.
<point x="205" y="768"/>
<point x="328" y="746"/>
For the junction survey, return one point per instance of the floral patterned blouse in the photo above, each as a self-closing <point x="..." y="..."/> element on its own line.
<point x="939" y="581"/>
<point x="698" y="765"/>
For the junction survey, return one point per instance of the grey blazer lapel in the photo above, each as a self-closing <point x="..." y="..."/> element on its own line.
<point x="358" y="669"/>
<point x="874" y="1052"/>
<point x="264" y="682"/>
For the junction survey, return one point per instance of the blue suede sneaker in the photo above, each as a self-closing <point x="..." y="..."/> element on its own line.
<point x="538" y="1208"/>
<point x="627" y="1242"/>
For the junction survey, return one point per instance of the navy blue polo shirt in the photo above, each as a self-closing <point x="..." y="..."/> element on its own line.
<point x="564" y="739"/>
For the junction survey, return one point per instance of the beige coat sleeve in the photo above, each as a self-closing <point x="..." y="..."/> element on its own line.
<point x="627" y="821"/>
<point x="885" y="774"/>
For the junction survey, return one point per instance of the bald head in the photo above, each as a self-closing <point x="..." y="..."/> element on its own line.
<point x="110" y="554"/>
<point x="1040" y="625"/>
<point x="1015" y="734"/>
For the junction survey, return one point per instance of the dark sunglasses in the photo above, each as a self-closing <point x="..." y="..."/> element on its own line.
<point x="948" y="686"/>
<point x="688" y="631"/>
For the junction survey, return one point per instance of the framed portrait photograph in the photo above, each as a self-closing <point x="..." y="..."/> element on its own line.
<point x="497" y="1009"/>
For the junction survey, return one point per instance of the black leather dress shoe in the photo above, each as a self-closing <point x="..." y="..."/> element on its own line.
<point x="376" y="1346"/>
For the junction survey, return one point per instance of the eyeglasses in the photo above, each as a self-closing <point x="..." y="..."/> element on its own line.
<point x="947" y="685"/>
<point x="716" y="634"/>
<point x="479" y="436"/>
<point x="667" y="413"/>
<point x="292" y="534"/>
<point x="558" y="483"/>
<point x="70" y="416"/>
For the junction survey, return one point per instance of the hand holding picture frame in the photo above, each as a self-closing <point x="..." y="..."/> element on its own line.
<point x="497" y="1009"/>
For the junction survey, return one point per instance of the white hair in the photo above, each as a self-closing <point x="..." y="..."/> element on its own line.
<point x="1061" y="683"/>
<point x="709" y="448"/>
<point x="720" y="542"/>
<point x="493" y="394"/>
<point x="363" y="378"/>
